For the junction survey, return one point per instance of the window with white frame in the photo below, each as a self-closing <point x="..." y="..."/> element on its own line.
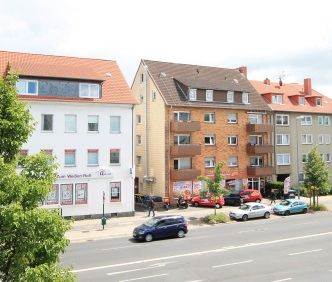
<point x="93" y="123"/>
<point x="282" y="119"/>
<point x="304" y="158"/>
<point x="301" y="176"/>
<point x="318" y="101"/>
<point x="139" y="119"/>
<point x="182" y="116"/>
<point x="232" y="118"/>
<point x="256" y="139"/>
<point x="138" y="160"/>
<point x="209" y="95"/>
<point x="89" y="90"/>
<point x="47" y="122"/>
<point x="256" y="161"/>
<point x="230" y="96"/>
<point x="320" y="120"/>
<point x="114" y="156"/>
<point x="70" y="123"/>
<point x="209" y="162"/>
<point x="232" y="161"/>
<point x="245" y="98"/>
<point x="328" y="157"/>
<point x="70" y="157"/>
<point x="192" y="94"/>
<point x="321" y="139"/>
<point x="276" y="99"/>
<point x="115" y="191"/>
<point x="209" y="117"/>
<point x="327" y="139"/>
<point x="139" y="139"/>
<point x="183" y="139"/>
<point x="301" y="101"/>
<point x="282" y="139"/>
<point x="255" y="119"/>
<point x="306" y="120"/>
<point x="306" y="139"/>
<point x="182" y="163"/>
<point x="27" y="87"/>
<point x="115" y="124"/>
<point x="93" y="158"/>
<point x="209" y="140"/>
<point x="326" y="120"/>
<point x="283" y="159"/>
<point x="232" y="140"/>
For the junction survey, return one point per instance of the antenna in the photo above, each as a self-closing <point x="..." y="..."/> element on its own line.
<point x="282" y="75"/>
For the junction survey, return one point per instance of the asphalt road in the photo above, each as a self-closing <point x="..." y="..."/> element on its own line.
<point x="294" y="248"/>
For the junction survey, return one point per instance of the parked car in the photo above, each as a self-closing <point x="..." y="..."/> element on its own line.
<point x="207" y="202"/>
<point x="251" y="210"/>
<point x="250" y="195"/>
<point x="233" y="200"/>
<point x="161" y="227"/>
<point x="286" y="207"/>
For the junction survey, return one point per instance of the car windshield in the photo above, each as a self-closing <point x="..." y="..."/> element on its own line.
<point x="244" y="207"/>
<point x="151" y="222"/>
<point x="285" y="203"/>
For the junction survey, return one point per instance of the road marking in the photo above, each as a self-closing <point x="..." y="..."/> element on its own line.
<point x="146" y="277"/>
<point x="195" y="281"/>
<point x="204" y="252"/>
<point x="286" y="279"/>
<point x="234" y="263"/>
<point x="123" y="247"/>
<point x="305" y="252"/>
<point x="131" y="270"/>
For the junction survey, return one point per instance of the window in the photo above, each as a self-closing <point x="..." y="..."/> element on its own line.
<point x="27" y="87"/>
<point x="301" y="100"/>
<point x="209" y="162"/>
<point x="318" y="101"/>
<point x="283" y="159"/>
<point x="230" y="96"/>
<point x="66" y="194"/>
<point x="301" y="177"/>
<point x="89" y="90"/>
<point x="70" y="123"/>
<point x="320" y="120"/>
<point x="47" y="122"/>
<point x="321" y="139"/>
<point x="115" y="191"/>
<point x="209" y="117"/>
<point x="324" y="139"/>
<point x="328" y="157"/>
<point x="154" y="95"/>
<point x="81" y="193"/>
<point x="232" y="161"/>
<point x="245" y="98"/>
<point x="142" y="77"/>
<point x="192" y="94"/>
<point x="70" y="157"/>
<point x="93" y="157"/>
<point x="276" y="99"/>
<point x="306" y="139"/>
<point x="256" y="161"/>
<point x="24" y="153"/>
<point x="182" y="116"/>
<point x="282" y="139"/>
<point x="115" y="156"/>
<point x="326" y="120"/>
<point x="232" y="118"/>
<point x="306" y="120"/>
<point x="138" y="139"/>
<point x="139" y="119"/>
<point x="209" y="95"/>
<point x="282" y="119"/>
<point x="115" y="124"/>
<point x="53" y="196"/>
<point x="182" y="163"/>
<point x="138" y="160"/>
<point x="304" y="158"/>
<point x="93" y="123"/>
<point x="255" y="119"/>
<point x="182" y="139"/>
<point x="209" y="140"/>
<point x="232" y="140"/>
<point x="327" y="139"/>
<point x="256" y="139"/>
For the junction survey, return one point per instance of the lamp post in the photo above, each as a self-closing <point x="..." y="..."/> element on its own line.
<point x="103" y="219"/>
<point x="298" y="156"/>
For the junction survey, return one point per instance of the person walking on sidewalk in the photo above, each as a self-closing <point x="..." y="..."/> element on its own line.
<point x="151" y="205"/>
<point x="273" y="197"/>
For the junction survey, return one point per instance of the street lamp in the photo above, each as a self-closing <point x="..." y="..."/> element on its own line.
<point x="297" y="157"/>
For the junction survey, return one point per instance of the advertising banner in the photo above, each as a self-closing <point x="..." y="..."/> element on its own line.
<point x="53" y="196"/>
<point x="183" y="188"/>
<point x="81" y="193"/>
<point x="66" y="194"/>
<point x="286" y="185"/>
<point x="197" y="187"/>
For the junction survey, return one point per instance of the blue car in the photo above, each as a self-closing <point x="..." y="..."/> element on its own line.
<point x="161" y="227"/>
<point x="286" y="207"/>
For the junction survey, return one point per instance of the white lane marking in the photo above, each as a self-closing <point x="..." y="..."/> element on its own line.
<point x="195" y="281"/>
<point x="203" y="252"/>
<point x="234" y="263"/>
<point x="131" y="270"/>
<point x="118" y="248"/>
<point x="146" y="277"/>
<point x="286" y="279"/>
<point x="305" y="252"/>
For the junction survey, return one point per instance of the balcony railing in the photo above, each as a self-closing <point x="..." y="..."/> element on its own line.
<point x="259" y="148"/>
<point x="185" y="150"/>
<point x="259" y="170"/>
<point x="191" y="126"/>
<point x="184" y="174"/>
<point x="263" y="127"/>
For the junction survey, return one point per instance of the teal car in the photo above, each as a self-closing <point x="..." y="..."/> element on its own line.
<point x="286" y="207"/>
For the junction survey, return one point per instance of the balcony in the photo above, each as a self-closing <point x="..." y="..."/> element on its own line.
<point x="259" y="171"/>
<point x="259" y="149"/>
<point x="190" y="126"/>
<point x="185" y="150"/>
<point x="184" y="174"/>
<point x="257" y="128"/>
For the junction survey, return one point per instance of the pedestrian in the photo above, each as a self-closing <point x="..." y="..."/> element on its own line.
<point x="273" y="197"/>
<point x="151" y="205"/>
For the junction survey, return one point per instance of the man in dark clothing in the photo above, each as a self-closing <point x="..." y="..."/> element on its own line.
<point x="151" y="206"/>
<point x="273" y="197"/>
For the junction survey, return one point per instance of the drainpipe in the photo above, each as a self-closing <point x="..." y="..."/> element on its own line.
<point x="146" y="123"/>
<point x="169" y="153"/>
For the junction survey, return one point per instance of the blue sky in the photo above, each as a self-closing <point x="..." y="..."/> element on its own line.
<point x="271" y="37"/>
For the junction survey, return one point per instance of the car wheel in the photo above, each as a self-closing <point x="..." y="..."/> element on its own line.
<point x="305" y="210"/>
<point x="180" y="234"/>
<point x="258" y="201"/>
<point x="148" y="237"/>
<point x="287" y="213"/>
<point x="218" y="206"/>
<point x="244" y="217"/>
<point x="196" y="204"/>
<point x="267" y="215"/>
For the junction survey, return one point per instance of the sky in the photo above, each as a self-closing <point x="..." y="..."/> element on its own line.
<point x="291" y="39"/>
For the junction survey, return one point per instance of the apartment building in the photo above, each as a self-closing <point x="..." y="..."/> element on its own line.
<point x="302" y="120"/>
<point x="83" y="110"/>
<point x="191" y="117"/>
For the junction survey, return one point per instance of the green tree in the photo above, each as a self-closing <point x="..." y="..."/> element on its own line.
<point x="316" y="175"/>
<point x="213" y="188"/>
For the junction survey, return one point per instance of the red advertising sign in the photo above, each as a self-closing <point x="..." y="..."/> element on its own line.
<point x="53" y="196"/>
<point x="66" y="194"/>
<point x="81" y="193"/>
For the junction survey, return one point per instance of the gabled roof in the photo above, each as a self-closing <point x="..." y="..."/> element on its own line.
<point x="114" y="86"/>
<point x="166" y="75"/>
<point x="289" y="91"/>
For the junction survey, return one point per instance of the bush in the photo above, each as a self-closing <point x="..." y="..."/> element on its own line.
<point x="319" y="207"/>
<point x="218" y="218"/>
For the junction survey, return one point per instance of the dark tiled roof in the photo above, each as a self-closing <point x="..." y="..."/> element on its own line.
<point x="165" y="76"/>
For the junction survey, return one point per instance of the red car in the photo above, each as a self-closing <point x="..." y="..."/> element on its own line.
<point x="250" y="195"/>
<point x="200" y="201"/>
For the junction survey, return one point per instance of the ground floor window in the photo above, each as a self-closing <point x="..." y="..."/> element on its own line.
<point x="81" y="193"/>
<point x="64" y="194"/>
<point x="115" y="191"/>
<point x="53" y="196"/>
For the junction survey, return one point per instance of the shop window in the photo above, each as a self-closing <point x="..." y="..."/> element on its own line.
<point x="66" y="194"/>
<point x="81" y="193"/>
<point x="115" y="191"/>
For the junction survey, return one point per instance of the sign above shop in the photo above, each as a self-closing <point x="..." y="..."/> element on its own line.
<point x="101" y="173"/>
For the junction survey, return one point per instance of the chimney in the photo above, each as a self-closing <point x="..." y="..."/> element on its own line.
<point x="243" y="70"/>
<point x="267" y="81"/>
<point x="307" y="86"/>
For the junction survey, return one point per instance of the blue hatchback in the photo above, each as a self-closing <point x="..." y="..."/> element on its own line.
<point x="161" y="227"/>
<point x="286" y="207"/>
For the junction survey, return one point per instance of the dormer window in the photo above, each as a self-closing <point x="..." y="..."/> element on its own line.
<point x="27" y="87"/>
<point x="301" y="100"/>
<point x="89" y="90"/>
<point x="245" y="98"/>
<point x="192" y="94"/>
<point x="318" y="101"/>
<point x="276" y="99"/>
<point x="230" y="96"/>
<point x="209" y="95"/>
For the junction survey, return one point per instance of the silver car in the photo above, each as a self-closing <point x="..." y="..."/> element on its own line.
<point x="251" y="210"/>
